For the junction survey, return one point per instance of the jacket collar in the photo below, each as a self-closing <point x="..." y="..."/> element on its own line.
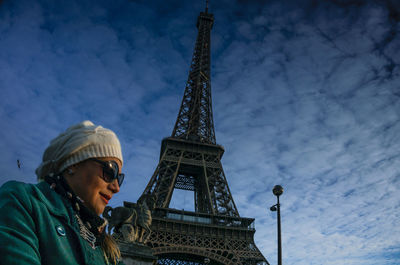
<point x="56" y="204"/>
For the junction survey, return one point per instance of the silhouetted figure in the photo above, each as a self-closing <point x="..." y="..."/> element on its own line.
<point x="19" y="164"/>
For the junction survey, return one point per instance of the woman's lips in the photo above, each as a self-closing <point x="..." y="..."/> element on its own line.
<point x="105" y="197"/>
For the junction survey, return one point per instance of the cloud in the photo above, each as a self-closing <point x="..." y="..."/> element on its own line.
<point x="305" y="94"/>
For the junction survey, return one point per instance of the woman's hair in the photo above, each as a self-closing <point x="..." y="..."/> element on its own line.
<point x="111" y="249"/>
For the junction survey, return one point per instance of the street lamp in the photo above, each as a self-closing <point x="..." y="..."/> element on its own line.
<point x="278" y="190"/>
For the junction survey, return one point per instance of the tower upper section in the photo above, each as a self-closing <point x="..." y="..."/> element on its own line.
<point x="195" y="118"/>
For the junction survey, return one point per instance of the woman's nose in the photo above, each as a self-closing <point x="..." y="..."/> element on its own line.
<point x="113" y="186"/>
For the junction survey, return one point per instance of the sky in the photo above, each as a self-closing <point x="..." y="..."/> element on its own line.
<point x="306" y="94"/>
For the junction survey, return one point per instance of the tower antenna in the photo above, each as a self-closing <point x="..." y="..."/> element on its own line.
<point x="206" y="6"/>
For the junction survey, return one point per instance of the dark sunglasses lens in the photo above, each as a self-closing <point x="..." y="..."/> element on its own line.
<point x="120" y="179"/>
<point x="110" y="171"/>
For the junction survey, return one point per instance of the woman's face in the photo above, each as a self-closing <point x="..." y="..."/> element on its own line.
<point x="87" y="183"/>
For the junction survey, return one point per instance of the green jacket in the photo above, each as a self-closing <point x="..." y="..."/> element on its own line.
<point x="37" y="227"/>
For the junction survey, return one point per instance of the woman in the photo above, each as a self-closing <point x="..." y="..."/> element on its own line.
<point x="57" y="221"/>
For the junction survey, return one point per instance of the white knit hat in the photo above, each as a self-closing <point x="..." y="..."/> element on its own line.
<point x="78" y="143"/>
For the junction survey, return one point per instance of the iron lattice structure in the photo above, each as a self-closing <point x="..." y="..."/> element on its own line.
<point x="191" y="160"/>
<point x="194" y="166"/>
<point x="195" y="119"/>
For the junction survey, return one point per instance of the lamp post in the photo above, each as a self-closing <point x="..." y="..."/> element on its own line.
<point x="278" y="190"/>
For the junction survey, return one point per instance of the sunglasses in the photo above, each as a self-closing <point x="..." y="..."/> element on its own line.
<point x="110" y="171"/>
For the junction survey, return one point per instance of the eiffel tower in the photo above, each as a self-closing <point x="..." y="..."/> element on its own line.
<point x="214" y="233"/>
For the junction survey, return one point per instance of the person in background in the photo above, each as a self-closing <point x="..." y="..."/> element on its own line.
<point x="57" y="221"/>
